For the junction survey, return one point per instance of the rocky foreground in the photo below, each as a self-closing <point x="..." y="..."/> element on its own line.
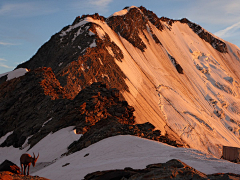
<point x="6" y="175"/>
<point x="10" y="171"/>
<point x="173" y="169"/>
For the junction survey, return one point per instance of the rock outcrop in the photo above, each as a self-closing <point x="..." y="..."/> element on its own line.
<point x="202" y="33"/>
<point x="208" y="37"/>
<point x="10" y="171"/>
<point x="6" y="175"/>
<point x="9" y="166"/>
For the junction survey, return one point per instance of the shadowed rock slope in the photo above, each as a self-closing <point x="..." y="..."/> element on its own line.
<point x="43" y="106"/>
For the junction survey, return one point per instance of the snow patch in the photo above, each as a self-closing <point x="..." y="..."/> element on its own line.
<point x="3" y="138"/>
<point x="82" y="67"/>
<point x="15" y="73"/>
<point x="110" y="51"/>
<point x="106" y="76"/>
<point x="122" y="12"/>
<point x="100" y="61"/>
<point x="93" y="44"/>
<point x="25" y="144"/>
<point x="91" y="33"/>
<point x="46" y="122"/>
<point x="100" y="32"/>
<point x="81" y="23"/>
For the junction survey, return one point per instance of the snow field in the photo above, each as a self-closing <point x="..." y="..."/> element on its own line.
<point x="115" y="152"/>
<point x="50" y="148"/>
<point x="183" y="102"/>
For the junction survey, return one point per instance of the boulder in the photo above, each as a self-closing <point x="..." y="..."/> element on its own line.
<point x="9" y="166"/>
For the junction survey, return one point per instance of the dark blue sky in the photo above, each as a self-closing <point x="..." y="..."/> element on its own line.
<point x="25" y="25"/>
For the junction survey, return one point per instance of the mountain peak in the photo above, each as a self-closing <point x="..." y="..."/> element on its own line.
<point x="124" y="11"/>
<point x="95" y="16"/>
<point x="130" y="24"/>
<point x="176" y="75"/>
<point x="152" y="18"/>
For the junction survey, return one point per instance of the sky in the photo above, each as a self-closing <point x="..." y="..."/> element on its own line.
<point x="25" y="25"/>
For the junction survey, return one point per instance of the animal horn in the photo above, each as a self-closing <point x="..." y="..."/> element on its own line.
<point x="33" y="155"/>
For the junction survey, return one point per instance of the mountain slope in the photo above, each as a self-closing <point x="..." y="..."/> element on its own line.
<point x="176" y="75"/>
<point x="116" y="152"/>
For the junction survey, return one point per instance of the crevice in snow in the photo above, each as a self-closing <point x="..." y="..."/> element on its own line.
<point x="200" y="120"/>
<point x="214" y="72"/>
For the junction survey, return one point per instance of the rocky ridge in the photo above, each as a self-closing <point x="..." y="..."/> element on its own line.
<point x="97" y="112"/>
<point x="208" y="37"/>
<point x="78" y="56"/>
<point x="202" y="33"/>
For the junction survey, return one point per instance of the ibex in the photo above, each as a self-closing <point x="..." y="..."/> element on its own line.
<point x="26" y="160"/>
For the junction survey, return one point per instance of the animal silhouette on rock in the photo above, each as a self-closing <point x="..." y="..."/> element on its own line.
<point x="26" y="160"/>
